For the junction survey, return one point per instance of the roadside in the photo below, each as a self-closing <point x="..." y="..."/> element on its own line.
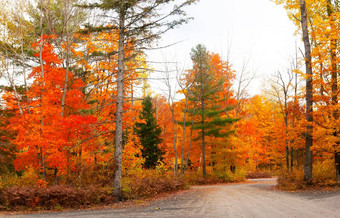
<point x="255" y="199"/>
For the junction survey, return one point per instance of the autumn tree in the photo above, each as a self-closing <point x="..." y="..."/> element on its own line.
<point x="7" y="149"/>
<point x="302" y="10"/>
<point x="141" y="22"/>
<point x="44" y="137"/>
<point x="206" y="87"/>
<point x="260" y="140"/>
<point x="309" y="93"/>
<point x="325" y="35"/>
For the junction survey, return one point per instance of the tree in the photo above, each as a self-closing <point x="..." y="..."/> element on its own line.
<point x="149" y="134"/>
<point x="300" y="8"/>
<point x="141" y="22"/>
<point x="280" y="88"/>
<point x="7" y="149"/>
<point x="45" y="137"/>
<point x="208" y="93"/>
<point x="17" y="34"/>
<point x="325" y="36"/>
<point x="185" y="85"/>
<point x="309" y="93"/>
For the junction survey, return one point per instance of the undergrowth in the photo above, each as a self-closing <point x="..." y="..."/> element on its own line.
<point x="196" y="178"/>
<point x="29" y="192"/>
<point x="32" y="195"/>
<point x="323" y="177"/>
<point x="257" y="175"/>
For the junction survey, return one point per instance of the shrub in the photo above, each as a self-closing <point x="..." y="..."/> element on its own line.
<point x="36" y="195"/>
<point x="8" y="180"/>
<point x="257" y="175"/>
<point x="150" y="184"/>
<point x="196" y="178"/>
<point x="323" y="176"/>
<point x="324" y="173"/>
<point x="291" y="181"/>
<point x="53" y="197"/>
<point x="30" y="178"/>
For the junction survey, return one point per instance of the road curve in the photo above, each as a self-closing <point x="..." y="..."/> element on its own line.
<point x="257" y="199"/>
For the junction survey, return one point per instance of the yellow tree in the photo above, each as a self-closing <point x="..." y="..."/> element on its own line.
<point x="319" y="22"/>
<point x="300" y="11"/>
<point x="326" y="35"/>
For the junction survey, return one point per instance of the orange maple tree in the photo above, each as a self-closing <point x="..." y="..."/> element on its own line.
<point x="46" y="140"/>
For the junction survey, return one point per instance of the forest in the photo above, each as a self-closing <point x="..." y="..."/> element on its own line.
<point x="80" y="124"/>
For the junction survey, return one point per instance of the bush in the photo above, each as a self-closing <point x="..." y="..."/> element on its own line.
<point x="35" y="194"/>
<point x="196" y="178"/>
<point x="258" y="175"/>
<point x="324" y="173"/>
<point x="291" y="181"/>
<point x="29" y="178"/>
<point x="52" y="197"/>
<point x="323" y="176"/>
<point x="228" y="176"/>
<point x="8" y="180"/>
<point x="150" y="184"/>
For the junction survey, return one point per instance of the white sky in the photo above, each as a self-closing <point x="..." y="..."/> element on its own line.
<point x="257" y="31"/>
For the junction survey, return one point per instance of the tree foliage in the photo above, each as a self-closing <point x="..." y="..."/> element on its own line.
<point x="149" y="134"/>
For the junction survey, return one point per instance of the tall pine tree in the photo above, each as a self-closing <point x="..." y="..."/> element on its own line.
<point x="149" y="134"/>
<point x="204" y="92"/>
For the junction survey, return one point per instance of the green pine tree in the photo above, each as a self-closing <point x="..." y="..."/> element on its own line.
<point x="204" y="93"/>
<point x="149" y="135"/>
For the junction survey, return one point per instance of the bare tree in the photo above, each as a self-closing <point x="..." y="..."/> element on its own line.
<point x="243" y="81"/>
<point x="171" y="103"/>
<point x="185" y="86"/>
<point x="281" y="87"/>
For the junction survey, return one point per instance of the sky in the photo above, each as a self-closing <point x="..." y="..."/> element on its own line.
<point x="257" y="32"/>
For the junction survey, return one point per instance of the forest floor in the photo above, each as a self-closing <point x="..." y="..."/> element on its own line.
<point x="258" y="198"/>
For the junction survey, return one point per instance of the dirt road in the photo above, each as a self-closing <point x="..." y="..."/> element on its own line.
<point x="257" y="199"/>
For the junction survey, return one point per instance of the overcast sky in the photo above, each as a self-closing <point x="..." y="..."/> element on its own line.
<point x="257" y="31"/>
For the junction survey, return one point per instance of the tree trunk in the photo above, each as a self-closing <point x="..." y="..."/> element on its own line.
<point x="203" y="143"/>
<point x="287" y="156"/>
<point x="337" y="166"/>
<point x="55" y="176"/>
<point x="174" y="140"/>
<point x="309" y="94"/>
<point x="202" y="116"/>
<point x="291" y="158"/>
<point x="192" y="125"/>
<point x="183" y="137"/>
<point x="333" y="47"/>
<point x="67" y="59"/>
<point x="41" y="47"/>
<point x="117" y="188"/>
<point x="286" y="125"/>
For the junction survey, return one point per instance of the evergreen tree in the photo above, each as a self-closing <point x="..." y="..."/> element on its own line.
<point x="149" y="134"/>
<point x="205" y="93"/>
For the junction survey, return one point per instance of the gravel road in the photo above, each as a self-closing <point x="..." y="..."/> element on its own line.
<point x="257" y="199"/>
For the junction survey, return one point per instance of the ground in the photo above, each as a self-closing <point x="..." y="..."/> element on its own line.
<point x="255" y="199"/>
